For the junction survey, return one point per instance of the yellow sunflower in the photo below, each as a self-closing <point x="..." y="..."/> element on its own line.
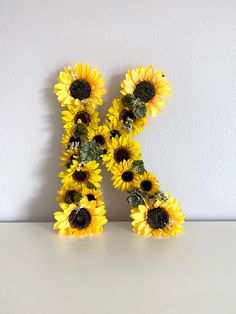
<point x="81" y="175"/>
<point x="81" y="220"/>
<point x="70" y="141"/>
<point x="69" y="194"/>
<point x="79" y="83"/>
<point x="119" y="112"/>
<point x="81" y="113"/>
<point x="99" y="135"/>
<point x="162" y="219"/>
<point x="148" y="183"/>
<point x="115" y="128"/>
<point x="124" y="176"/>
<point x="92" y="195"/>
<point x="120" y="149"/>
<point x="67" y="158"/>
<point x="148" y="85"/>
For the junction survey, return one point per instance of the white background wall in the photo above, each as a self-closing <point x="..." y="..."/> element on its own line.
<point x="190" y="147"/>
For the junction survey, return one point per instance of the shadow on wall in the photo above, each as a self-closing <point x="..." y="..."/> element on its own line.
<point x="42" y="205"/>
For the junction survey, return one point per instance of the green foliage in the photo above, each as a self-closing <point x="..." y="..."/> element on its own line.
<point x="72" y="197"/>
<point x="138" y="165"/>
<point x="90" y="151"/>
<point x="90" y="186"/>
<point x="80" y="131"/>
<point x="159" y="195"/>
<point x="136" y="197"/>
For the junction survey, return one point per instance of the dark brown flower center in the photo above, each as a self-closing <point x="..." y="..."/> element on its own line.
<point x="83" y="116"/>
<point x="72" y="196"/>
<point x="91" y="197"/>
<point x="114" y="133"/>
<point x="144" y="91"/>
<point x="99" y="139"/>
<point x="127" y="114"/>
<point x="70" y="161"/>
<point x="146" y="185"/>
<point x="80" y="89"/>
<point x="127" y="176"/>
<point x="121" y="154"/>
<point x="79" y="218"/>
<point x="157" y="218"/>
<point x="81" y="176"/>
<point x="74" y="139"/>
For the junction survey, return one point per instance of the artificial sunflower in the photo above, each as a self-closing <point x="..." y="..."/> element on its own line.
<point x="79" y="83"/>
<point x="115" y="127"/>
<point x="82" y="174"/>
<point x="120" y="149"/>
<point x="69" y="194"/>
<point x="80" y="114"/>
<point x="67" y="158"/>
<point x="71" y="141"/>
<point x="92" y="195"/>
<point x="148" y="183"/>
<point x="99" y="135"/>
<point x="148" y="85"/>
<point x="80" y="220"/>
<point x="161" y="219"/>
<point x="118" y="111"/>
<point x="124" y="176"/>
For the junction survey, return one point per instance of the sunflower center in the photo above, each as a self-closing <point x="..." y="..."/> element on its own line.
<point x="79" y="218"/>
<point x="127" y="114"/>
<point x="72" y="196"/>
<point x="99" y="139"/>
<point x="145" y="91"/>
<point x="121" y="154"/>
<point x="114" y="133"/>
<point x="127" y="176"/>
<point x="70" y="161"/>
<point x="91" y="197"/>
<point x="81" y="176"/>
<point x="74" y="139"/>
<point x="146" y="185"/>
<point x="83" y="116"/>
<point x="80" y="89"/>
<point x="157" y="218"/>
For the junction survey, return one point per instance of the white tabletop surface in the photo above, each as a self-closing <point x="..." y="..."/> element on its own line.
<point x="118" y="272"/>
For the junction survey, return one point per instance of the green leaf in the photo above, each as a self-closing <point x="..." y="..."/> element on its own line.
<point x="90" y="186"/>
<point x="138" y="165"/>
<point x="127" y="101"/>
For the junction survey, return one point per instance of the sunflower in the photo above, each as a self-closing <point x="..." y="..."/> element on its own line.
<point x="70" y="141"/>
<point x="68" y="194"/>
<point x="161" y="219"/>
<point x="124" y="176"/>
<point x="99" y="135"/>
<point x="120" y="149"/>
<point x="115" y="127"/>
<point x="79" y="83"/>
<point x="82" y="175"/>
<point x="67" y="158"/>
<point x="80" y="220"/>
<point x="148" y="183"/>
<point x="92" y="195"/>
<point x="119" y="112"/>
<point x="80" y="114"/>
<point x="148" y="85"/>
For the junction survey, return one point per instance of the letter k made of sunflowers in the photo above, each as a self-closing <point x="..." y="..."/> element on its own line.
<point x="86" y="143"/>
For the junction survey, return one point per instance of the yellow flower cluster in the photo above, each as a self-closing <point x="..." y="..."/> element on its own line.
<point x="85" y="143"/>
<point x="80" y="89"/>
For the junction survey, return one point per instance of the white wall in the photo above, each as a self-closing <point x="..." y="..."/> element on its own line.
<point x="190" y="147"/>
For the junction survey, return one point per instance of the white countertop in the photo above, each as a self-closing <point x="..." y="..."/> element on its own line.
<point x="118" y="272"/>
